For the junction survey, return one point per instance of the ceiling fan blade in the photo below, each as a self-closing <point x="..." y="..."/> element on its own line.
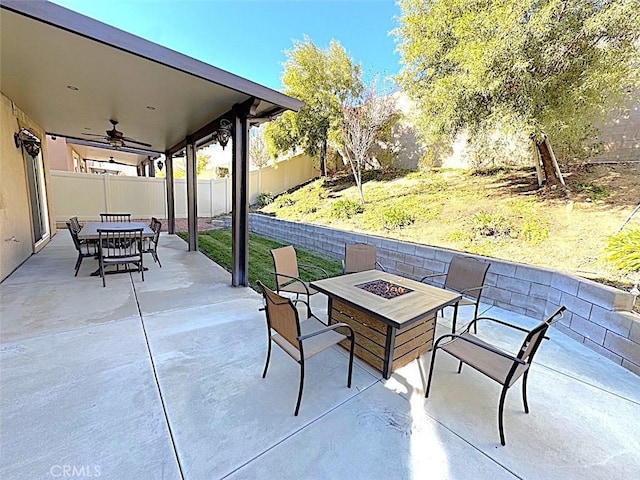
<point x="131" y="140"/>
<point x="93" y="134"/>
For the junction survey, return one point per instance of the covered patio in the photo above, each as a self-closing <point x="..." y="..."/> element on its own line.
<point x="161" y="379"/>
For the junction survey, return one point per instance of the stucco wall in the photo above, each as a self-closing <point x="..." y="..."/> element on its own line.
<point x="597" y="315"/>
<point x="16" y="237"/>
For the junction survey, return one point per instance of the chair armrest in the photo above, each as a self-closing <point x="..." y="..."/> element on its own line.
<point x="433" y="275"/>
<point x="467" y="290"/>
<point x="327" y="329"/>
<point x="293" y="280"/>
<point x="489" y="348"/>
<point x="308" y="267"/>
<point x="501" y="322"/>
<point x="295" y="301"/>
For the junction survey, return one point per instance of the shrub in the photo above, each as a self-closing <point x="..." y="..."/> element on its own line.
<point x="345" y="209"/>
<point x="623" y="250"/>
<point x="593" y="191"/>
<point x="491" y="225"/>
<point x="284" y="201"/>
<point x="265" y="199"/>
<point x="534" y="230"/>
<point x="396" y="217"/>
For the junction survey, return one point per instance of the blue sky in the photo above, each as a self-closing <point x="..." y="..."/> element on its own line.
<point x="249" y="37"/>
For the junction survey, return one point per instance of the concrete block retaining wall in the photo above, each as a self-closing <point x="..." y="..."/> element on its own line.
<point x="597" y="315"/>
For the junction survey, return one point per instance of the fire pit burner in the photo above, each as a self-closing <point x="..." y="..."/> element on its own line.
<point x="384" y="289"/>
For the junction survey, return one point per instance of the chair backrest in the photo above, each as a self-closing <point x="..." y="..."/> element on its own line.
<point x="74" y="235"/>
<point x="156" y="226"/>
<point x="115" y="217"/>
<point x="119" y="243"/>
<point x="359" y="257"/>
<point x="75" y="223"/>
<point x="282" y="315"/>
<point x="465" y="273"/>
<point x="532" y="341"/>
<point x="285" y="262"/>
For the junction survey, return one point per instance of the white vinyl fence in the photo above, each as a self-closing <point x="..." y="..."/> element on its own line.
<point x="87" y="195"/>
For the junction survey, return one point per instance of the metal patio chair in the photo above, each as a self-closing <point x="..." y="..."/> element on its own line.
<point x="287" y="273"/>
<point x="301" y="340"/>
<point x="115" y="217"/>
<point x="150" y="245"/>
<point x="360" y="257"/>
<point x="120" y="247"/>
<point x="85" y="248"/>
<point x="466" y="275"/>
<point x="501" y="366"/>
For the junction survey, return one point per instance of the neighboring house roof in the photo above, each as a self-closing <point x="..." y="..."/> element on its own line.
<point x="158" y="96"/>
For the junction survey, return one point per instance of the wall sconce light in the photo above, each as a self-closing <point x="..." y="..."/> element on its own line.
<point x="223" y="133"/>
<point x="27" y="139"/>
<point x="160" y="165"/>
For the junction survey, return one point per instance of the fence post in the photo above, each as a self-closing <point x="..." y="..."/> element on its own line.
<point x="107" y="193"/>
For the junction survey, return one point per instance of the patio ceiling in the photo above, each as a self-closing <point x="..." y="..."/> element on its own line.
<point x="157" y="95"/>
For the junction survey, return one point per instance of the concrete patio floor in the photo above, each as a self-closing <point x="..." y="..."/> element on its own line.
<point x="161" y="379"/>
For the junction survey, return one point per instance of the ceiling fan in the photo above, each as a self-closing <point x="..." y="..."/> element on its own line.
<point x="116" y="138"/>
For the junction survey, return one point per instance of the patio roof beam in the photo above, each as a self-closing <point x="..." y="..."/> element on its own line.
<point x="249" y="106"/>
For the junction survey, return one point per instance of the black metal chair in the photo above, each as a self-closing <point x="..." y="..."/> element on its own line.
<point x="465" y="275"/>
<point x="120" y="247"/>
<point x="150" y="245"/>
<point x="360" y="257"/>
<point x="85" y="248"/>
<point x="300" y="339"/>
<point x="287" y="273"/>
<point x="115" y="217"/>
<point x="75" y="223"/>
<point x="493" y="362"/>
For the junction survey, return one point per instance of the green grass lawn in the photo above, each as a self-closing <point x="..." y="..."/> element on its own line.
<point x="216" y="245"/>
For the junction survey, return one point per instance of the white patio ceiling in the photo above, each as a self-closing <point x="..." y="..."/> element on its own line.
<point x="157" y="95"/>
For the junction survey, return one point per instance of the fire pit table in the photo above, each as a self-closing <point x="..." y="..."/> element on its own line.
<point x="394" y="317"/>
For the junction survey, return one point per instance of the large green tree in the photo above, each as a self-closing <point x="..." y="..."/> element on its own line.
<point x="323" y="79"/>
<point x="550" y="68"/>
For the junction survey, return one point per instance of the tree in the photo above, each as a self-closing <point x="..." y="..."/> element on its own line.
<point x="364" y="118"/>
<point x="323" y="79"/>
<point x="549" y="68"/>
<point x="258" y="151"/>
<point x="180" y="169"/>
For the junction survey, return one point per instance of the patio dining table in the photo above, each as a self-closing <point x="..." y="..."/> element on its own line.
<point x="90" y="229"/>
<point x="90" y="232"/>
<point x="393" y="317"/>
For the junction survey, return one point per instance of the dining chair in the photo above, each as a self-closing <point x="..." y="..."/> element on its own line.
<point x="85" y="248"/>
<point x="466" y="275"/>
<point x="150" y="245"/>
<point x="360" y="257"/>
<point x="120" y="247"/>
<point x="497" y="364"/>
<point x="115" y="217"/>
<point x="301" y="340"/>
<point x="75" y="223"/>
<point x="287" y="273"/>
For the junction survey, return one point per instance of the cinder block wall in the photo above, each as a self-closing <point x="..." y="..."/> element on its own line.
<point x="597" y="315"/>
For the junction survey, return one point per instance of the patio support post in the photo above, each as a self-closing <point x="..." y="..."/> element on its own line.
<point x="240" y="199"/>
<point x="192" y="194"/>
<point x="171" y="211"/>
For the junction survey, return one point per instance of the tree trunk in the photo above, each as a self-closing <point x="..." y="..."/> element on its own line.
<point x="551" y="171"/>
<point x="323" y="155"/>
